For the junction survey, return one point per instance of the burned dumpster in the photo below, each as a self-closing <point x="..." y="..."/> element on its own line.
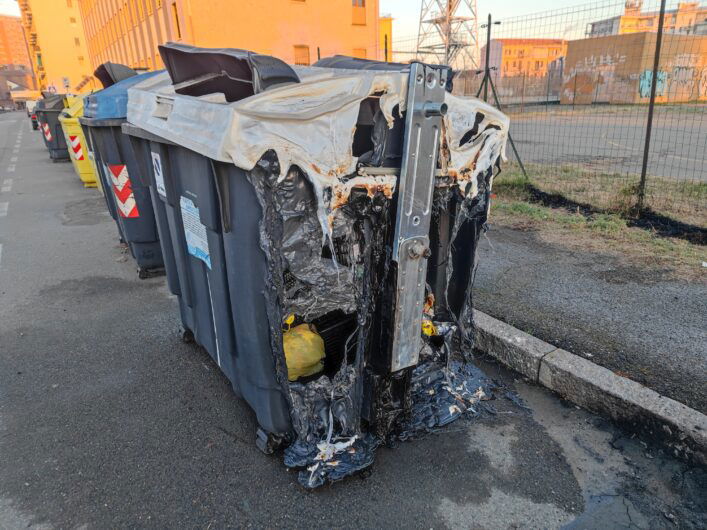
<point x="343" y="204"/>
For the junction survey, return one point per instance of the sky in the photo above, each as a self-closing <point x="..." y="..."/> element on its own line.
<point x="9" y="7"/>
<point x="407" y="12"/>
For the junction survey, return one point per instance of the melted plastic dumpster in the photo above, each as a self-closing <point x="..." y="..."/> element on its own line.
<point x="128" y="195"/>
<point x="47" y="112"/>
<point x="347" y="199"/>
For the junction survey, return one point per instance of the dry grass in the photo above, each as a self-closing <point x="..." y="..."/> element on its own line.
<point x="606" y="233"/>
<point x="684" y="201"/>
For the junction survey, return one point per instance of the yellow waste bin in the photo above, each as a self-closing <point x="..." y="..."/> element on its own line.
<point x="76" y="141"/>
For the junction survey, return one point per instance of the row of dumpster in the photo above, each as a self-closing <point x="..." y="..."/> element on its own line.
<point x="318" y="227"/>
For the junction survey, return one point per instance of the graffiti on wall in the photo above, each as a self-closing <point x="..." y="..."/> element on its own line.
<point x="646" y="80"/>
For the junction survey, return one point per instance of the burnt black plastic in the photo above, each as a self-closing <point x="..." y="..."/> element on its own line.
<point x="236" y="73"/>
<point x="110" y="73"/>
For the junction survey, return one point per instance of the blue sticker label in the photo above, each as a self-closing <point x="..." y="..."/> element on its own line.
<point x="194" y="231"/>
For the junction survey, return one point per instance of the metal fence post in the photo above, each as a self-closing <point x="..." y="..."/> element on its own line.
<point x="651" y="106"/>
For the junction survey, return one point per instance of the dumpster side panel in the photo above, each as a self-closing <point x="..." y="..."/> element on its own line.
<point x="133" y="204"/>
<point x="254" y="366"/>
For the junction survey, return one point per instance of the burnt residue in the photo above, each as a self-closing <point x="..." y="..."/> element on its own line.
<point x="343" y="284"/>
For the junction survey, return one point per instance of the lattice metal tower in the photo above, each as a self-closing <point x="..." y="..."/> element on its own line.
<point x="449" y="33"/>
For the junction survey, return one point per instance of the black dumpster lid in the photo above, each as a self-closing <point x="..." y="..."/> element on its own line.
<point x="110" y="73"/>
<point x="236" y="73"/>
<point x="354" y="63"/>
<point x="53" y="102"/>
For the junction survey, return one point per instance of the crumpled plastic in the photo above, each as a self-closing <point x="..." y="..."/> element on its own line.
<point x="442" y="392"/>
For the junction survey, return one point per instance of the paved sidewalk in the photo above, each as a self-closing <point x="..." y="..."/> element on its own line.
<point x="632" y="321"/>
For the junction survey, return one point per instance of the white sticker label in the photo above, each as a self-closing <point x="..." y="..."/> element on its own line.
<point x="194" y="231"/>
<point x="159" y="179"/>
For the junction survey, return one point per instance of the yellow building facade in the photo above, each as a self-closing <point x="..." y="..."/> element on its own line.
<point x="297" y="31"/>
<point x="385" y="44"/>
<point x="57" y="45"/>
<point x="13" y="49"/>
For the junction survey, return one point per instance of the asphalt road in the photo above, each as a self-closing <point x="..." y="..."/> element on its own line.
<point x="633" y="321"/>
<point x="107" y="420"/>
<point x="612" y="141"/>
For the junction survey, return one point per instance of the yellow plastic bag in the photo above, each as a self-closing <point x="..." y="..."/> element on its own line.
<point x="304" y="352"/>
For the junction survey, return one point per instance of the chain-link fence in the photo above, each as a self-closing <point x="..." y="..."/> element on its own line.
<point x="579" y="84"/>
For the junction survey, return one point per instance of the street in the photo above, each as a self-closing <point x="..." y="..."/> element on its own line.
<point x="108" y="420"/>
<point x="612" y="141"/>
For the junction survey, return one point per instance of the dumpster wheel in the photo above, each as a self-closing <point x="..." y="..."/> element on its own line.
<point x="187" y="336"/>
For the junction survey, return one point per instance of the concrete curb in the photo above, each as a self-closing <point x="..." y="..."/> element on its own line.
<point x="594" y="387"/>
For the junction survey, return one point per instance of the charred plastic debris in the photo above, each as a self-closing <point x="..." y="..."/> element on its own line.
<point x="373" y="184"/>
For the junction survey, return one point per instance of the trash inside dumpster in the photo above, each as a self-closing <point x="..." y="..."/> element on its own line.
<point x="74" y="137"/>
<point x="349" y="205"/>
<point x="47" y="111"/>
<point x="127" y="190"/>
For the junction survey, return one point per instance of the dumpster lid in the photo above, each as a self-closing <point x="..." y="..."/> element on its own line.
<point x="236" y="73"/>
<point x="111" y="73"/>
<point x="55" y="102"/>
<point x="112" y="102"/>
<point x="73" y="107"/>
<point x="354" y="63"/>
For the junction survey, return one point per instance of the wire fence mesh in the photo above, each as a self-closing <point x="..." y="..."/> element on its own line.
<point x="577" y="82"/>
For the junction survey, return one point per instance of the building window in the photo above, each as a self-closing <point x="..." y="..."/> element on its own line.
<point x="359" y="53"/>
<point x="77" y="41"/>
<point x="175" y="19"/>
<point x="359" y="12"/>
<point x="302" y="55"/>
<point x="81" y="60"/>
<point x="72" y="20"/>
<point x="69" y="3"/>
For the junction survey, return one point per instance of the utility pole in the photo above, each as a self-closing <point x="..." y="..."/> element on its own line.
<point x="448" y="33"/>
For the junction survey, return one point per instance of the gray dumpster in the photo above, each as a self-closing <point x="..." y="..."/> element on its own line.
<point x="345" y="200"/>
<point x="47" y="111"/>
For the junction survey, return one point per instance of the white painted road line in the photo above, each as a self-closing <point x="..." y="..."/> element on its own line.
<point x="6" y="186"/>
<point x="0" y="253"/>
<point x="13" y="159"/>
<point x="3" y="208"/>
<point x="15" y="150"/>
<point x="11" y="168"/>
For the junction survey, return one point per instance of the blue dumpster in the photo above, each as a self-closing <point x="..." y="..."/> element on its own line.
<point x="127" y="191"/>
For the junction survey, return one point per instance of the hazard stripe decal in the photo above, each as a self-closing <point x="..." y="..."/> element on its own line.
<point x="76" y="147"/>
<point x="123" y="190"/>
<point x="47" y="132"/>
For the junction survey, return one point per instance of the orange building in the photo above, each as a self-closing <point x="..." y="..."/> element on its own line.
<point x="57" y="45"/>
<point x="297" y="31"/>
<point x="686" y="19"/>
<point x="385" y="44"/>
<point x="13" y="48"/>
<point x="529" y="57"/>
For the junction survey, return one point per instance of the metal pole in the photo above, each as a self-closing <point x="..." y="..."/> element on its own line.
<point x="386" y="48"/>
<point x="319" y="54"/>
<point x="547" y="94"/>
<point x="522" y="94"/>
<point x="651" y="106"/>
<point x="487" y="69"/>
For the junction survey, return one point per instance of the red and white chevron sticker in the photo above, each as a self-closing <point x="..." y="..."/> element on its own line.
<point x="123" y="190"/>
<point x="47" y="132"/>
<point x="76" y="147"/>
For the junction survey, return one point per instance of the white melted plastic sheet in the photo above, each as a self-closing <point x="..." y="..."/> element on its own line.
<point x="310" y="124"/>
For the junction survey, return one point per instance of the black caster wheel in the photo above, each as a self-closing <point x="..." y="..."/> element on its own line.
<point x="268" y="442"/>
<point x="187" y="336"/>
